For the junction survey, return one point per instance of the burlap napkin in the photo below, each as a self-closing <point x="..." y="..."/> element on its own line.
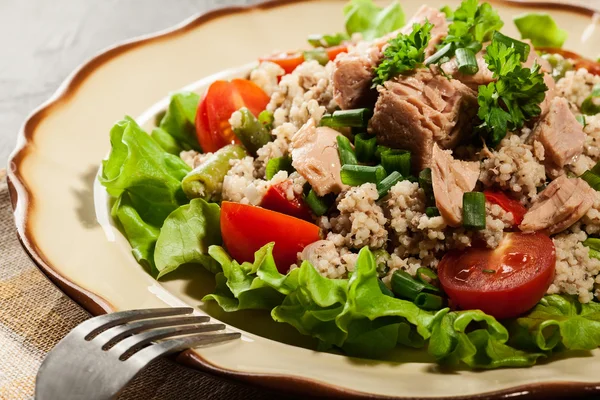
<point x="35" y="315"/>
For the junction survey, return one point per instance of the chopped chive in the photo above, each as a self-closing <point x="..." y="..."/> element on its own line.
<point x="274" y="165"/>
<point x="589" y="105"/>
<point x="474" y="210"/>
<point x="489" y="271"/>
<point x="318" y="205"/>
<point x="384" y="289"/>
<point x="406" y="287"/>
<point x="438" y="55"/>
<point x="386" y="184"/>
<point x="466" y="61"/>
<point x="365" y="147"/>
<point x="426" y="275"/>
<point x="356" y="175"/>
<point x="346" y="151"/>
<point x="432" y="212"/>
<point x="396" y="160"/>
<point x="357" y="118"/>
<point x="319" y="55"/>
<point x="521" y="47"/>
<point x="581" y="119"/>
<point x="428" y="301"/>
<point x="592" y="179"/>
<point x="426" y="184"/>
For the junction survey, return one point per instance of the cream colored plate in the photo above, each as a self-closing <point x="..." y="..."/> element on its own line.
<point x="57" y="211"/>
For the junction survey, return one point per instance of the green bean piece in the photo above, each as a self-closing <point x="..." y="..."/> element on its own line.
<point x="356" y="118"/>
<point x="319" y="55"/>
<point x="318" y="205"/>
<point x="166" y="141"/>
<point x="384" y="289"/>
<point x="356" y="175"/>
<point x="203" y="181"/>
<point x="474" y="210"/>
<point x="266" y="118"/>
<point x="274" y="165"/>
<point x="432" y="212"/>
<point x="345" y="151"/>
<point x="594" y="254"/>
<point x="251" y="132"/>
<point x="430" y="302"/>
<point x="426" y="184"/>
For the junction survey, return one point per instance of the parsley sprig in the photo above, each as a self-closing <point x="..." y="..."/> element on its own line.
<point x="404" y="53"/>
<point x="505" y="105"/>
<point x="472" y="24"/>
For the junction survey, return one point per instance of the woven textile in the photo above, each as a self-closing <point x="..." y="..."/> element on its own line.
<point x="35" y="315"/>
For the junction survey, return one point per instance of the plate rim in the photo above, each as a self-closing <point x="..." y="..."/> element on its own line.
<point x="22" y="201"/>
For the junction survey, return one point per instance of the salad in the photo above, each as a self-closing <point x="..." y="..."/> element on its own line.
<point x="426" y="182"/>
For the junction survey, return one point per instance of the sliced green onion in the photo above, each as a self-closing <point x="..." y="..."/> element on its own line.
<point x="380" y="151"/>
<point x="474" y="210"/>
<point x="521" y="47"/>
<point x="356" y="175"/>
<point x="428" y="301"/>
<point x="432" y="212"/>
<point x="319" y="40"/>
<point x="384" y="289"/>
<point x="426" y="184"/>
<point x="589" y="106"/>
<point x="396" y="160"/>
<point x="357" y="118"/>
<point x="386" y="184"/>
<point x="581" y="119"/>
<point x="365" y="147"/>
<point x="426" y="275"/>
<point x="274" y="165"/>
<point x="346" y="151"/>
<point x="381" y="253"/>
<point x="592" y="179"/>
<point x="406" y="287"/>
<point x="466" y="61"/>
<point x="319" y="55"/>
<point x="318" y="205"/>
<point x="438" y="55"/>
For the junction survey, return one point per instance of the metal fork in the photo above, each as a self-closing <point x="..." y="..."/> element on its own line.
<point x="99" y="357"/>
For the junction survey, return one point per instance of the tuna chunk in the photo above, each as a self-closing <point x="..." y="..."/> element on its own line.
<point x="315" y="157"/>
<point x="482" y="77"/>
<point x="415" y="111"/>
<point x="559" y="206"/>
<point x="548" y="80"/>
<point x="353" y="71"/>
<point x="316" y="251"/>
<point x="560" y="133"/>
<point x="451" y="179"/>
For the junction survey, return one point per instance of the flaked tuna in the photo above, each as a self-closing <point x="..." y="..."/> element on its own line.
<point x="559" y="206"/>
<point x="451" y="179"/>
<point x="560" y="133"/>
<point x="315" y="157"/>
<point x="415" y="111"/>
<point x="354" y="71"/>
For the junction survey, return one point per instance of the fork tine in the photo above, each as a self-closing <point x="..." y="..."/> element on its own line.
<point x="146" y="355"/>
<point x="94" y="325"/>
<point x="114" y="335"/>
<point x="133" y="343"/>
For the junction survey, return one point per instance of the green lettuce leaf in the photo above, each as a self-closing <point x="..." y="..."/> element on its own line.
<point x="166" y="141"/>
<point x="150" y="176"/>
<point x="541" y="29"/>
<point x="476" y="339"/>
<point x="141" y="235"/>
<point x="186" y="236"/>
<point x="255" y="285"/>
<point x="180" y="119"/>
<point x="559" y="322"/>
<point x="363" y="16"/>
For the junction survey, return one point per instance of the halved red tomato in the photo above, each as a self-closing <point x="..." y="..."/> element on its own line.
<point x="507" y="204"/>
<point x="276" y="199"/>
<point x="245" y="229"/>
<point x="503" y="282"/>
<point x="593" y="67"/>
<point x="332" y="52"/>
<point x="220" y="101"/>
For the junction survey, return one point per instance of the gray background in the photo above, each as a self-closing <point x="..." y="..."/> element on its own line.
<point x="42" y="41"/>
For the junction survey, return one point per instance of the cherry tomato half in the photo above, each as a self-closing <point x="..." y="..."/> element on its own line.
<point x="276" y="200"/>
<point x="245" y="229"/>
<point x="507" y="204"/>
<point x="220" y="101"/>
<point x="503" y="282"/>
<point x="593" y="67"/>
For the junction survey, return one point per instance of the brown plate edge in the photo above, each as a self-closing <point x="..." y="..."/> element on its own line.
<point x="97" y="305"/>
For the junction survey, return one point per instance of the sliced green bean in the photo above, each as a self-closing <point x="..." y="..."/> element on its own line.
<point x="251" y="132"/>
<point x="204" y="181"/>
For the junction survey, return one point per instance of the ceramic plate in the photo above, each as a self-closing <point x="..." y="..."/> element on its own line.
<point x="63" y="221"/>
